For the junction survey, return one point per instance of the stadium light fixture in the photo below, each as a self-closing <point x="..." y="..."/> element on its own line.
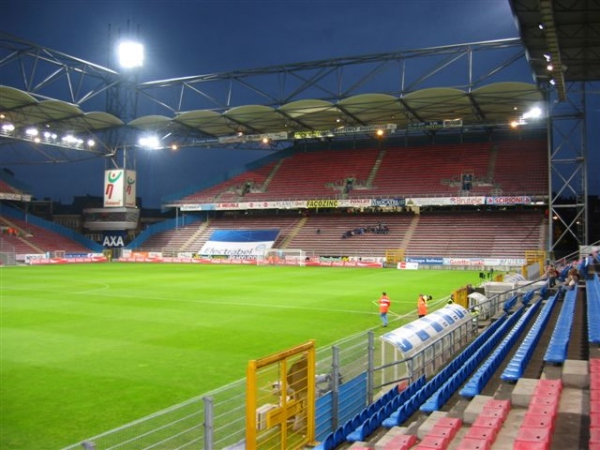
<point x="150" y="142"/>
<point x="533" y="113"/>
<point x="130" y="54"/>
<point x="31" y="132"/>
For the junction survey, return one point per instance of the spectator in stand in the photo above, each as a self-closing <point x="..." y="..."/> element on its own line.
<point x="587" y="262"/>
<point x="551" y="275"/>
<point x="571" y="281"/>
<point x="384" y="307"/>
<point x="422" y="305"/>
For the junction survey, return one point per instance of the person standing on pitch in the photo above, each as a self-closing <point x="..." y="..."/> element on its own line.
<point x="422" y="306"/>
<point x="384" y="307"/>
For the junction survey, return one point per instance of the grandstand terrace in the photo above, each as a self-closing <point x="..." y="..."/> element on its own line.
<point x="29" y="238"/>
<point x="470" y="229"/>
<point x="391" y="171"/>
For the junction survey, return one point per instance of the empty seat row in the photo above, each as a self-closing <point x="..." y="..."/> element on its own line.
<point x="441" y="434"/>
<point x="538" y="424"/>
<point x="594" y="443"/>
<point x="483" y="432"/>
<point x="593" y="309"/>
<point x="412" y="405"/>
<point x="557" y="348"/>
<point x="362" y="423"/>
<point x="515" y="368"/>
<point x="458" y="376"/>
<point x="478" y="381"/>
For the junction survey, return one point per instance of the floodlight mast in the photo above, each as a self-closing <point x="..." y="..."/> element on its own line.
<point x="122" y="97"/>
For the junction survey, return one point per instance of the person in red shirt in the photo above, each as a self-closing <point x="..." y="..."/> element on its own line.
<point x="384" y="307"/>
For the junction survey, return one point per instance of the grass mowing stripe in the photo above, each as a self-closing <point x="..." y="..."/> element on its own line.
<point x="86" y="348"/>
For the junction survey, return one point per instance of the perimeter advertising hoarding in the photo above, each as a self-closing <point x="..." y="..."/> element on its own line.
<point x="239" y="243"/>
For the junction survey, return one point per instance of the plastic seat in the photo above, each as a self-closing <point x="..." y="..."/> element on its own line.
<point x="339" y="436"/>
<point x="433" y="442"/>
<point x="546" y="383"/>
<point x="473" y="444"/>
<point x="401" y="442"/>
<point x="538" y="421"/>
<point x="534" y="437"/>
<point x="488" y="422"/>
<point x="442" y="431"/>
<point x="493" y="412"/>
<point x="594" y="437"/>
<point x="546" y="401"/>
<point x="543" y="409"/>
<point x="482" y="433"/>
<point x="503" y="405"/>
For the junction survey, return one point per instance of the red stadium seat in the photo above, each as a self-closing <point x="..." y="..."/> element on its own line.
<point x="433" y="442"/>
<point x="538" y="421"/>
<point x="533" y="438"/>
<point x="401" y="442"/>
<point x="474" y="444"/>
<point x="482" y="433"/>
<point x="494" y="422"/>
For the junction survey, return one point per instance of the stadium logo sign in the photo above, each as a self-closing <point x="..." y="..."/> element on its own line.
<point x="113" y="241"/>
<point x="322" y="204"/>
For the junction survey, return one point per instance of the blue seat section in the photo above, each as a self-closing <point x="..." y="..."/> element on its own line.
<point x="557" y="348"/>
<point x="323" y="416"/>
<point x="478" y="381"/>
<point x="404" y="411"/>
<point x="510" y="303"/>
<point x="516" y="366"/>
<point x="526" y="300"/>
<point x="352" y="397"/>
<point x="453" y="380"/>
<point x="374" y="415"/>
<point x="593" y="309"/>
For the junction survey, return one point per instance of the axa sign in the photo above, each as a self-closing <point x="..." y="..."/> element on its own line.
<point x="113" y="241"/>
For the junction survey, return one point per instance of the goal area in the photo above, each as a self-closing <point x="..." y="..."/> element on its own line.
<point x="284" y="257"/>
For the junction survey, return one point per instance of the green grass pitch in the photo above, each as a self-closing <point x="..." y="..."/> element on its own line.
<point x="87" y="348"/>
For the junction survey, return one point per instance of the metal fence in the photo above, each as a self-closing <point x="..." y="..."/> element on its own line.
<point x="216" y="420"/>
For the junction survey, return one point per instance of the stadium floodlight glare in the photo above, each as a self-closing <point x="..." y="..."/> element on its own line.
<point x="31" y="132"/>
<point x="8" y="127"/>
<point x="130" y="54"/>
<point x="150" y="142"/>
<point x="533" y="113"/>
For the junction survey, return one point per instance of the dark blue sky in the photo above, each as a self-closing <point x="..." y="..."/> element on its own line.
<point x="197" y="37"/>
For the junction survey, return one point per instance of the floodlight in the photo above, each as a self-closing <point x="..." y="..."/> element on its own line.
<point x="91" y="142"/>
<point x="131" y="54"/>
<point x="149" y="142"/>
<point x="8" y="127"/>
<point x="31" y="132"/>
<point x="533" y="113"/>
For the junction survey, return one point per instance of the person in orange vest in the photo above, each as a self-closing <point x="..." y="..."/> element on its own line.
<point x="384" y="307"/>
<point x="422" y="306"/>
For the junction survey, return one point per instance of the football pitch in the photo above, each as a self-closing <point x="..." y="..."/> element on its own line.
<point x="87" y="348"/>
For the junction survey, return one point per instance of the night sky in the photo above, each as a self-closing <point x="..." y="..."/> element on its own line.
<point x="184" y="38"/>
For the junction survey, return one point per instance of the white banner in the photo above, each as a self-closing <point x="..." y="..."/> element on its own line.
<point x="114" y="188"/>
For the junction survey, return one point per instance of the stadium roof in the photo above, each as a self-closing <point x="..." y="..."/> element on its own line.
<point x="493" y="104"/>
<point x="565" y="33"/>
